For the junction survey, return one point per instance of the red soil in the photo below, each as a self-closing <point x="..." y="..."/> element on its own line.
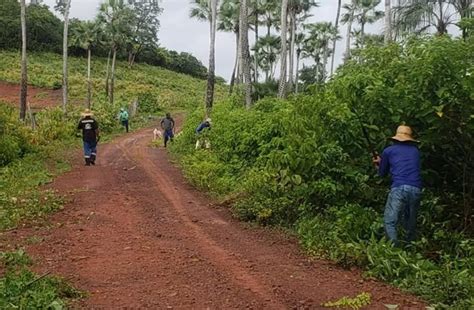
<point x="136" y="235"/>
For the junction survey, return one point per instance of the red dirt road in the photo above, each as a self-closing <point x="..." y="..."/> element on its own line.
<point x="136" y="235"/>
<point x="38" y="97"/>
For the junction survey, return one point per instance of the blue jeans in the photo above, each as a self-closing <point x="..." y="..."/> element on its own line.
<point x="90" y="149"/>
<point x="168" y="136"/>
<point x="403" y="200"/>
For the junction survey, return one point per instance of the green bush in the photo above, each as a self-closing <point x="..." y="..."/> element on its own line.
<point x="21" y="288"/>
<point x="305" y="164"/>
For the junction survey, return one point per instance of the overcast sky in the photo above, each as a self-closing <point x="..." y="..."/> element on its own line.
<point x="180" y="33"/>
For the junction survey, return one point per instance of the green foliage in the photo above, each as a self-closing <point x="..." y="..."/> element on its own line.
<point x="44" y="29"/>
<point x="167" y="88"/>
<point x="358" y="302"/>
<point x="305" y="164"/>
<point x="23" y="289"/>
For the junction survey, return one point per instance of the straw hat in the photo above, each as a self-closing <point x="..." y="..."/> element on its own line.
<point x="87" y="112"/>
<point x="404" y="134"/>
<point x="208" y="120"/>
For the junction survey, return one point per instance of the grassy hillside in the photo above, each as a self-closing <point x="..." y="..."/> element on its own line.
<point x="163" y="87"/>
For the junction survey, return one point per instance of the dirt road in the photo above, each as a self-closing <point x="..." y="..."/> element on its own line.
<point x="136" y="235"/>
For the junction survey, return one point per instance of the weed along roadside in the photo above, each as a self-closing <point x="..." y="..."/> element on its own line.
<point x="303" y="164"/>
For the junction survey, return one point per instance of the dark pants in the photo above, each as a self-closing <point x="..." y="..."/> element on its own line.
<point x="90" y="151"/>
<point x="125" y="124"/>
<point x="168" y="136"/>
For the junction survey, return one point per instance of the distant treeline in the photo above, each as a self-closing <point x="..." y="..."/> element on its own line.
<point x="45" y="30"/>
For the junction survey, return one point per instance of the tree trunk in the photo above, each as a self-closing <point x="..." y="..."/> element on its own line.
<point x="388" y="22"/>
<point x="284" y="30"/>
<point x="336" y="24"/>
<point x="107" y="74"/>
<point x="348" y="35"/>
<point x="244" y="47"/>
<point x="325" y="61"/>
<point x="65" y="60"/>
<point x="256" y="40"/>
<point x="292" y="50"/>
<point x="89" y="82"/>
<point x="298" y="53"/>
<point x="112" y="76"/>
<point x="362" y="34"/>
<point x="236" y="64"/>
<point x="24" y="74"/>
<point x="212" y="61"/>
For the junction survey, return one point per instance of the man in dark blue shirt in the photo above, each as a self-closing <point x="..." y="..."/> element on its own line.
<point x="402" y="161"/>
<point x="204" y="126"/>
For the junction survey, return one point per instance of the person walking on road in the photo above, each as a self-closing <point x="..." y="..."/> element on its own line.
<point x="123" y="116"/>
<point x="90" y="136"/>
<point x="402" y="161"/>
<point x="167" y="124"/>
<point x="200" y="131"/>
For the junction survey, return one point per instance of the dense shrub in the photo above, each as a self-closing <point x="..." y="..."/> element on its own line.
<point x="304" y="163"/>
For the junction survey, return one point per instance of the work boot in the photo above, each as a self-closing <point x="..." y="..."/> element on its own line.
<point x="88" y="161"/>
<point x="92" y="160"/>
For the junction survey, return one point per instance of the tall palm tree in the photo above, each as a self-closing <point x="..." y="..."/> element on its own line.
<point x="284" y="30"/>
<point x="348" y="18"/>
<point x="269" y="49"/>
<point x="298" y="10"/>
<point x="244" y="50"/>
<point x="336" y="25"/>
<point x="116" y="17"/>
<point x="367" y="13"/>
<point x="211" y="79"/>
<point x="319" y="37"/>
<point x="63" y="7"/>
<point x="84" y="36"/>
<point x="388" y="22"/>
<point x="229" y="21"/>
<point x="271" y="14"/>
<point x="24" y="74"/>
<point x="299" y="40"/>
<point x="421" y="15"/>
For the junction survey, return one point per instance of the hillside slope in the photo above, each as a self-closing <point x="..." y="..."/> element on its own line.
<point x="152" y="84"/>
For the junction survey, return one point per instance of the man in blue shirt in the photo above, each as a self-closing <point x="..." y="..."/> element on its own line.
<point x="402" y="161"/>
<point x="204" y="126"/>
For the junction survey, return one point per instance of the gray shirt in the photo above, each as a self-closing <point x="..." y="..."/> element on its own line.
<point x="167" y="123"/>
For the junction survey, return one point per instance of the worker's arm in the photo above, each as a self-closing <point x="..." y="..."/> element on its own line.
<point x="384" y="165"/>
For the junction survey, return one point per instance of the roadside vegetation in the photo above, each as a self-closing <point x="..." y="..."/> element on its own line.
<point x="20" y="288"/>
<point x="303" y="163"/>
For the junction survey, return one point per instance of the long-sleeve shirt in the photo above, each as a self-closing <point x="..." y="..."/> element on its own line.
<point x="402" y="160"/>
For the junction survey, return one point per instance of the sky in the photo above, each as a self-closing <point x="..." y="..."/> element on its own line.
<point x="180" y="33"/>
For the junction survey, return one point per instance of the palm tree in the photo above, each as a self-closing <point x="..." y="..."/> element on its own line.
<point x="211" y="79"/>
<point x="297" y="11"/>
<point x="116" y="17"/>
<point x="284" y="30"/>
<point x="24" y="75"/>
<point x="271" y="14"/>
<point x="229" y="22"/>
<point x="421" y="15"/>
<point x="348" y="18"/>
<point x="366" y="13"/>
<point x="85" y="35"/>
<point x="63" y="7"/>
<point x="244" y="50"/>
<point x="299" y="40"/>
<point x="388" y="22"/>
<point x="319" y="37"/>
<point x="336" y="25"/>
<point x="269" y="48"/>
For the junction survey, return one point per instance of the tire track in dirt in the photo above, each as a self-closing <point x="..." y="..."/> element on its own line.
<point x="135" y="234"/>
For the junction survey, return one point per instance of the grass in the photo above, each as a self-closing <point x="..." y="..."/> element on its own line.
<point x="21" y="288"/>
